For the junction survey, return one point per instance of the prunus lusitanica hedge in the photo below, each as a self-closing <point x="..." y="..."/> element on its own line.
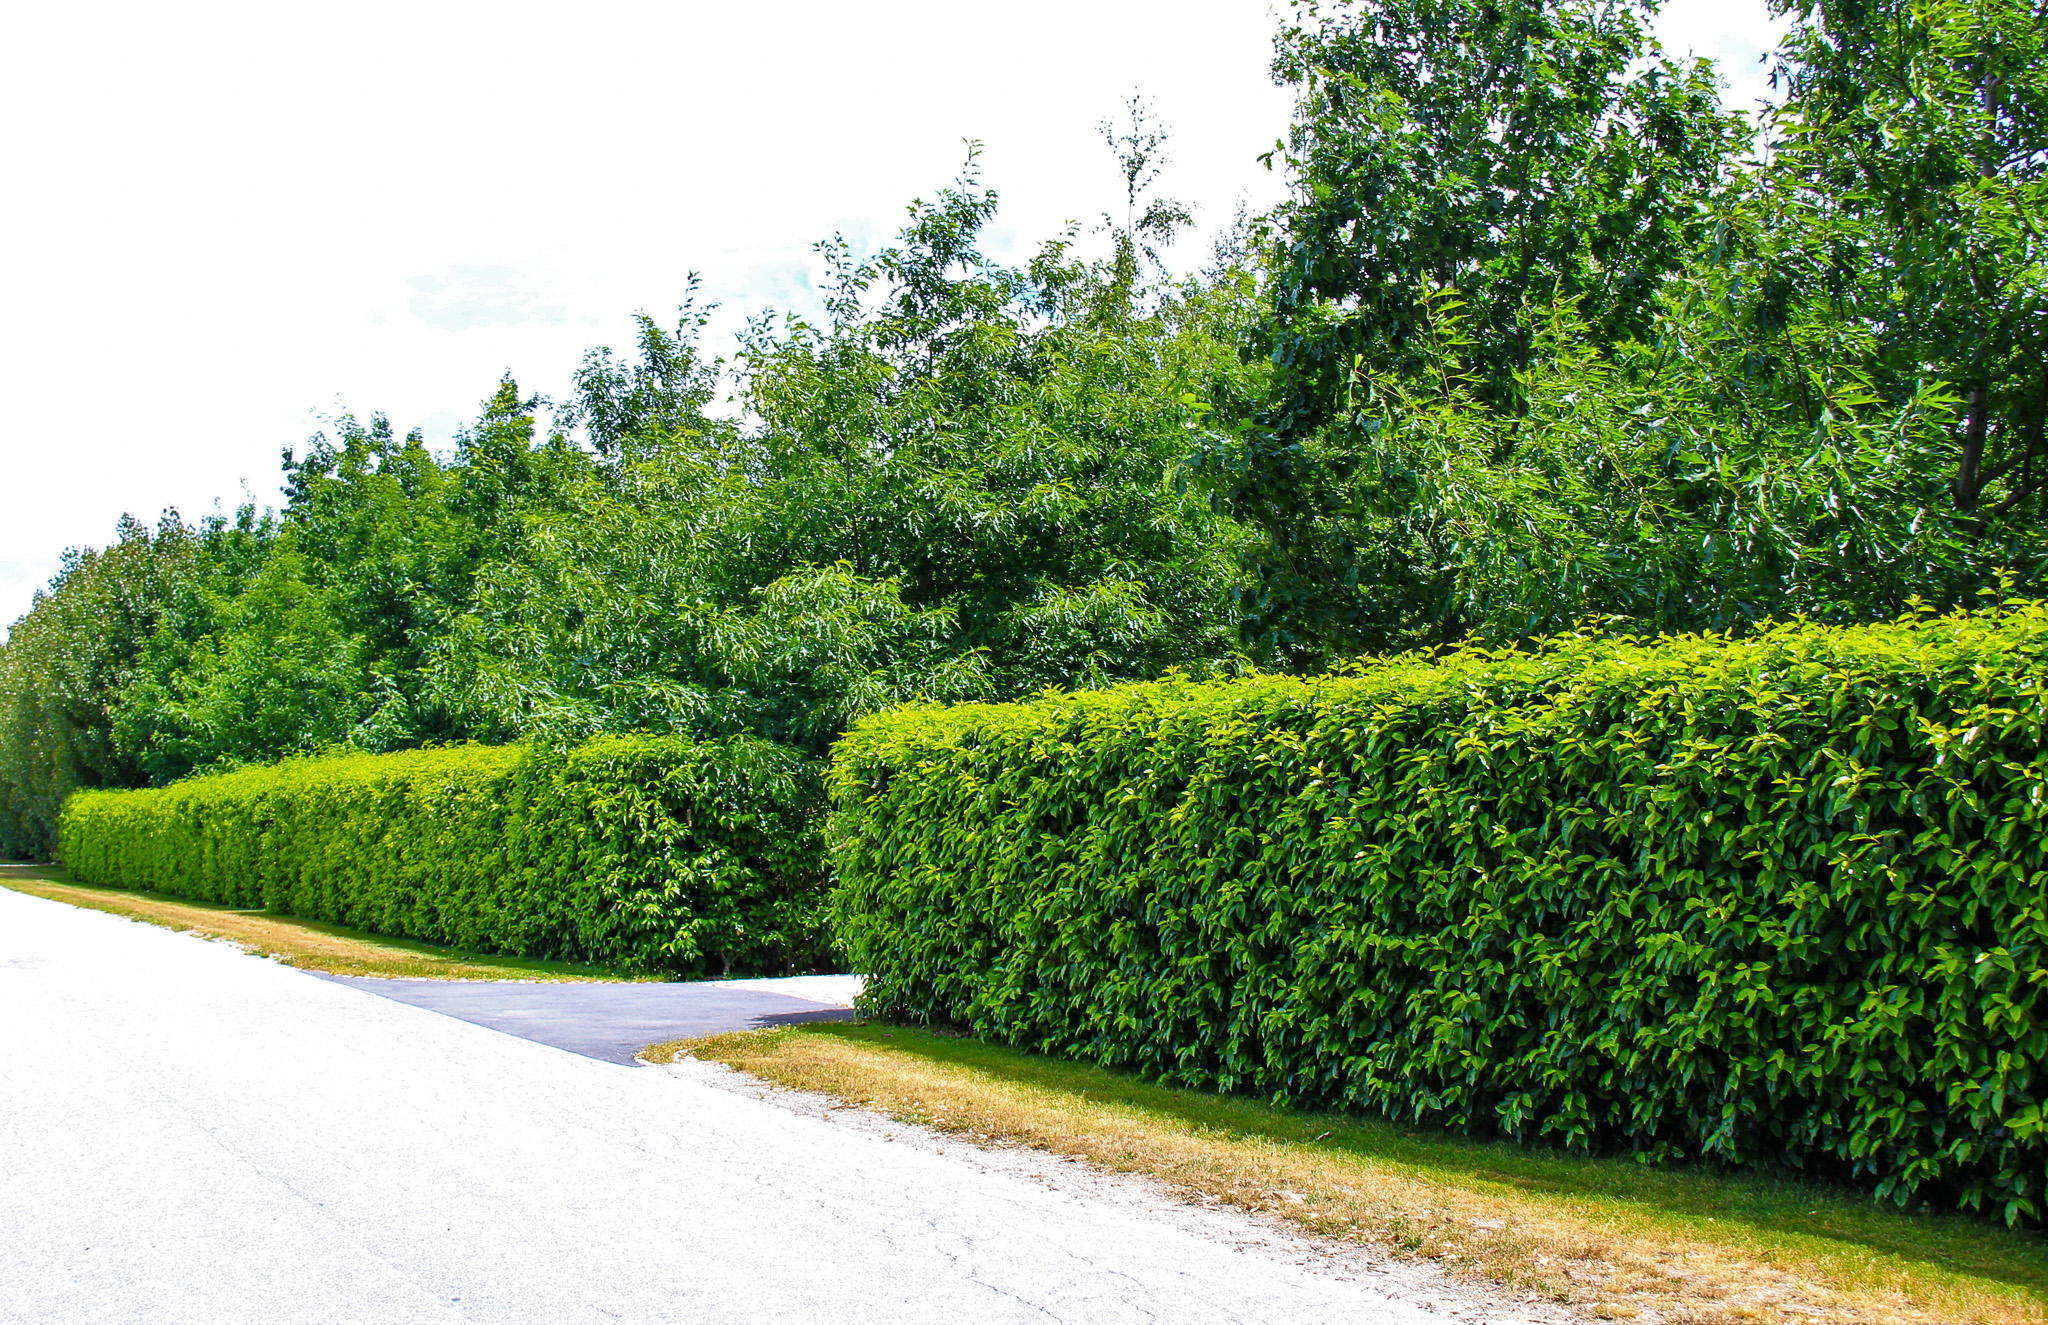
<point x="649" y="853"/>
<point x="1776" y="899"/>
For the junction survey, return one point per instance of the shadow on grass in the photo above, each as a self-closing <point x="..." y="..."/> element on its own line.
<point x="1812" y="1217"/>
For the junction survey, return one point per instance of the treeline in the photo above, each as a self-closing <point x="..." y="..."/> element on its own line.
<point x="1546" y="333"/>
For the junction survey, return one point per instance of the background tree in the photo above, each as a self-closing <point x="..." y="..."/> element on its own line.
<point x="89" y="639"/>
<point x="1910" y="174"/>
<point x="957" y="486"/>
<point x="1543" y="336"/>
<point x="1553" y="343"/>
<point x="1150" y="221"/>
<point x="1520" y="153"/>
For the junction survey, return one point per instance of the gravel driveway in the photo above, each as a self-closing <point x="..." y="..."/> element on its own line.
<point x="189" y="1134"/>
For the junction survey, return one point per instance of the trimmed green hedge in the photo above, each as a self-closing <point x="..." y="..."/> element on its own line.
<point x="1771" y="899"/>
<point x="653" y="853"/>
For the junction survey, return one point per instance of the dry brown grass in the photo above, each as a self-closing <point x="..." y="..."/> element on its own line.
<point x="306" y="944"/>
<point x="1615" y="1239"/>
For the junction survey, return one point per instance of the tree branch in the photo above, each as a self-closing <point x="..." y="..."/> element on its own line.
<point x="2025" y="491"/>
<point x="2011" y="463"/>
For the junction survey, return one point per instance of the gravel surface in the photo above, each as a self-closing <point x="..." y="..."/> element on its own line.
<point x="191" y="1134"/>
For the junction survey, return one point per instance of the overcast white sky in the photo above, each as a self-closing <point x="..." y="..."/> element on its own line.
<point x="224" y="221"/>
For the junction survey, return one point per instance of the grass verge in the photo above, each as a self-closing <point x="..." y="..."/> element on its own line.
<point x="1618" y="1239"/>
<point x="307" y="944"/>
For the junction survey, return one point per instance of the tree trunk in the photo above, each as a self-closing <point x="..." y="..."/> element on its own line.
<point x="1970" y="470"/>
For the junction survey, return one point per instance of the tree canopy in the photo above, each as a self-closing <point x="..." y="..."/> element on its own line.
<point x="1555" y="336"/>
<point x="1545" y="335"/>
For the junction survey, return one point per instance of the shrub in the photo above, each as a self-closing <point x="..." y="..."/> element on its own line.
<point x="1773" y="899"/>
<point x="653" y="853"/>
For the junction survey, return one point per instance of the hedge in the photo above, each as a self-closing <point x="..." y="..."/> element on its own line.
<point x="649" y="853"/>
<point x="1776" y="899"/>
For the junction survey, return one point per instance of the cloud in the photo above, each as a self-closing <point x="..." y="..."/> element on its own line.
<point x="783" y="284"/>
<point x="472" y="294"/>
<point x="440" y="427"/>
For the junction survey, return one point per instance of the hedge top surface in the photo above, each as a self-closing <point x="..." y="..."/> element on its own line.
<point x="1936" y="654"/>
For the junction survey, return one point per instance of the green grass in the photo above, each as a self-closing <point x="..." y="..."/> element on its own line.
<point x="1785" y="1205"/>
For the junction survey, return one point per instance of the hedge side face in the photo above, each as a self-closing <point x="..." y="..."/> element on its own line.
<point x="653" y="853"/>
<point x="1772" y="899"/>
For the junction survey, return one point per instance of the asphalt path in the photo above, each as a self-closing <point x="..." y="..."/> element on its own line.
<point x="611" y="1020"/>
<point x="191" y="1134"/>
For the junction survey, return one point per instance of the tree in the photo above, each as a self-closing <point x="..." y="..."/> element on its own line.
<point x="68" y="663"/>
<point x="1911" y="173"/>
<point x="999" y="440"/>
<point x="1519" y="153"/>
<point x="960" y="485"/>
<point x="623" y="408"/>
<point x="277" y="675"/>
<point x="1654" y="484"/>
<point x="1150" y="221"/>
<point x="392" y="540"/>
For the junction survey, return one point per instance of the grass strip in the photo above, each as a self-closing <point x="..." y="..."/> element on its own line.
<point x="307" y="944"/>
<point x="1612" y="1236"/>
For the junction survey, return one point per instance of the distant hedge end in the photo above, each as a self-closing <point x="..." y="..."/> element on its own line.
<point x="646" y="853"/>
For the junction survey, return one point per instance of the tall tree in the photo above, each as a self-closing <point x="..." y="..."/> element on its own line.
<point x="958" y="485"/>
<point x="69" y="663"/>
<point x="1911" y="168"/>
<point x="1516" y="153"/>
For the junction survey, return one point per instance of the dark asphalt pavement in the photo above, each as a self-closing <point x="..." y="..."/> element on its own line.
<point x="607" y="1021"/>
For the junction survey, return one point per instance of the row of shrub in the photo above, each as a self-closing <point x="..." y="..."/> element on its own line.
<point x="1773" y="898"/>
<point x="1777" y="898"/>
<point x="648" y="853"/>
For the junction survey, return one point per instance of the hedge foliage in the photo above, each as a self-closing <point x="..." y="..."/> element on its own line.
<point x="1771" y="899"/>
<point x="653" y="853"/>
